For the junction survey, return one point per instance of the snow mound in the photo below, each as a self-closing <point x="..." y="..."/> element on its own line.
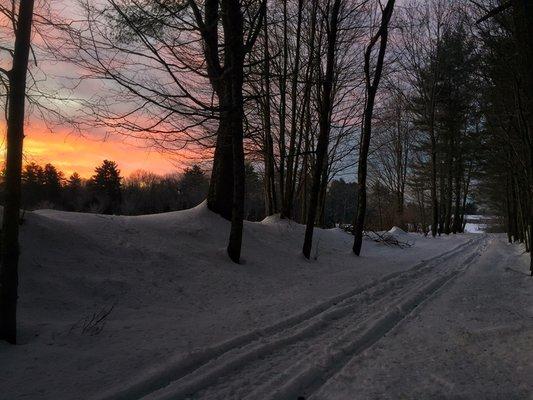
<point x="276" y="219"/>
<point x="397" y="231"/>
<point x="272" y="219"/>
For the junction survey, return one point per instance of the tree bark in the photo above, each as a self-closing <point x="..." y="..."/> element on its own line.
<point x="449" y="184"/>
<point x="523" y="20"/>
<point x="371" y="88"/>
<point x="434" y="199"/>
<point x="456" y="226"/>
<point x="287" y="207"/>
<point x="270" y="178"/>
<point x="283" y="107"/>
<point x="9" y="252"/>
<point x="324" y="127"/>
<point x="220" y="195"/>
<point x="232" y="21"/>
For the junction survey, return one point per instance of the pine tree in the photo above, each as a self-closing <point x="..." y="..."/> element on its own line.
<point x="107" y="187"/>
<point x="32" y="185"/>
<point x="193" y="186"/>
<point x="52" y="182"/>
<point x="73" y="193"/>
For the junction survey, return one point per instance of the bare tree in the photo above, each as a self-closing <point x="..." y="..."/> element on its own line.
<point x="175" y="73"/>
<point x="372" y="79"/>
<point x="9" y="251"/>
<point x="393" y="151"/>
<point x="323" y="136"/>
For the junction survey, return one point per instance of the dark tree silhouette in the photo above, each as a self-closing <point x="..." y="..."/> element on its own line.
<point x="32" y="185"/>
<point x="52" y="182"/>
<point x="9" y="247"/>
<point x="372" y="79"/>
<point x="323" y="136"/>
<point x="193" y="186"/>
<point x="106" y="187"/>
<point x="73" y="192"/>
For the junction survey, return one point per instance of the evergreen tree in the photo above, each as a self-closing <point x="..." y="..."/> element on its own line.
<point x="52" y="184"/>
<point x="74" y="182"/>
<point x="254" y="200"/>
<point x="193" y="186"/>
<point x="107" y="187"/>
<point x="32" y="185"/>
<point x="340" y="207"/>
<point x="74" y="193"/>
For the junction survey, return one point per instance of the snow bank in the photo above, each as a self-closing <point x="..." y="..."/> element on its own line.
<point x="471" y="227"/>
<point x="397" y="231"/>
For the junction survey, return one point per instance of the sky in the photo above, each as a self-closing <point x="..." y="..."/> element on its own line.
<point x="81" y="153"/>
<point x="74" y="152"/>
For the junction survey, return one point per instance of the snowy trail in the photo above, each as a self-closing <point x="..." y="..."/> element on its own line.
<point x="471" y="341"/>
<point x="296" y="356"/>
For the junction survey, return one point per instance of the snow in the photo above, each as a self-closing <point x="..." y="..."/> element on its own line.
<point x="471" y="227"/>
<point x="478" y="223"/>
<point x="397" y="231"/>
<point x="480" y="333"/>
<point x="184" y="319"/>
<point x="477" y="217"/>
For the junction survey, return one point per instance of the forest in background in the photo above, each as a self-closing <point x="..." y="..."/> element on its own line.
<point x="448" y="126"/>
<point x="144" y="192"/>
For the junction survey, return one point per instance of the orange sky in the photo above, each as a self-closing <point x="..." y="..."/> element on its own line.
<point x="71" y="152"/>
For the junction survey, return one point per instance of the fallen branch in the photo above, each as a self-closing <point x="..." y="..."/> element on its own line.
<point x="386" y="238"/>
<point x="93" y="324"/>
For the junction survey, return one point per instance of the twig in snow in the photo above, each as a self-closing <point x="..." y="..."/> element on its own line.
<point x="94" y="323"/>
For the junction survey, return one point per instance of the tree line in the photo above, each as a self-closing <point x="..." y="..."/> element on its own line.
<point x="144" y="192"/>
<point x="425" y="105"/>
<point x="108" y="192"/>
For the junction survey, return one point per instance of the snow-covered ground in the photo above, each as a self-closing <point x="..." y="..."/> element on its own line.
<point x="472" y="340"/>
<point x="474" y="227"/>
<point x="479" y="223"/>
<point x="150" y="307"/>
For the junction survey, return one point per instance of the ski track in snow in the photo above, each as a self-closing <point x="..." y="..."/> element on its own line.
<point x="296" y="356"/>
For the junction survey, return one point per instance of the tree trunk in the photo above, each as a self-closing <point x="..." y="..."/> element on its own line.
<point x="372" y="87"/>
<point x="442" y="198"/>
<point x="323" y="136"/>
<point x="287" y="207"/>
<point x="449" y="184"/>
<point x="433" y="141"/>
<point x="523" y="19"/>
<point x="322" y="194"/>
<point x="232" y="22"/>
<point x="220" y="195"/>
<point x="270" y="178"/>
<point x="283" y="107"/>
<point x="305" y="129"/>
<point x="456" y="226"/>
<point x="434" y="200"/>
<point x="9" y="252"/>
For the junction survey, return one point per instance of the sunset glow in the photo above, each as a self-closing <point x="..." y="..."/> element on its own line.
<point x="71" y="152"/>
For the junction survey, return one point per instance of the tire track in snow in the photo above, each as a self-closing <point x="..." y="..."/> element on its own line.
<point x="311" y="381"/>
<point x="202" y="369"/>
<point x="239" y="373"/>
<point x="306" y="376"/>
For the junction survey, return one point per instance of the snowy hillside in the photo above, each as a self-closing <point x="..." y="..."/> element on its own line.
<point x="125" y="307"/>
